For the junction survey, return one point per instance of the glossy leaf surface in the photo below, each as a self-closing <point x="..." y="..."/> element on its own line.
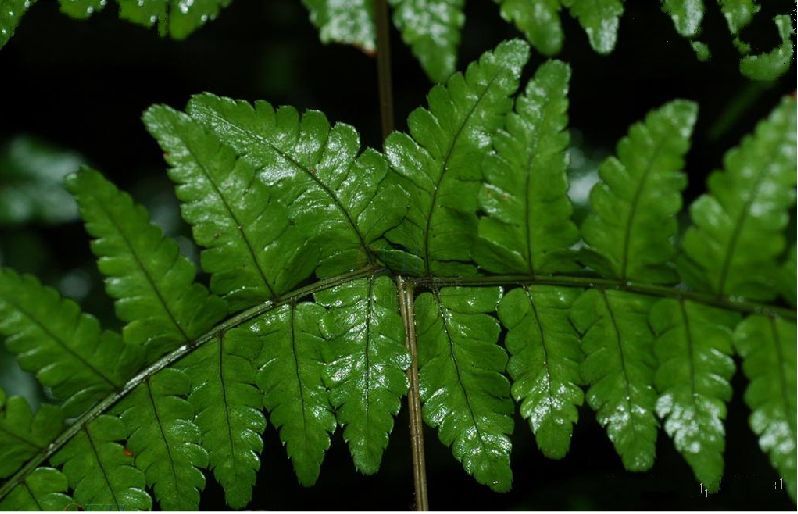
<point x="464" y="393"/>
<point x="694" y="347"/>
<point x="153" y="284"/>
<point x="631" y="227"/>
<point x="366" y="358"/>
<point x="528" y="229"/>
<point x="24" y="433"/>
<point x="43" y="489"/>
<point x="775" y="63"/>
<point x="619" y="368"/>
<point x="544" y="362"/>
<point x="350" y="22"/>
<point x="737" y="232"/>
<point x="439" y="162"/>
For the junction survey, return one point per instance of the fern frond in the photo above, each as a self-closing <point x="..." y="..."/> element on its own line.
<point x="600" y="20"/>
<point x="464" y="393"/>
<point x="367" y="360"/>
<point x="631" y="227"/>
<point x="431" y="28"/>
<point x="175" y="18"/>
<point x="737" y="235"/>
<point x="66" y="349"/>
<point x="291" y="377"/>
<point x="775" y="63"/>
<point x="43" y="489"/>
<point x="767" y="347"/>
<point x="350" y="22"/>
<point x="165" y="440"/>
<point x="153" y="284"/>
<point x="686" y="15"/>
<point x="694" y="347"/>
<point x="252" y="251"/>
<point x="738" y="13"/>
<point x="439" y="162"/>
<point x="539" y="20"/>
<point x="787" y="282"/>
<point x="99" y="470"/>
<point x="23" y="433"/>
<point x="619" y="367"/>
<point x="336" y="196"/>
<point x="228" y="413"/>
<point x="528" y="229"/>
<point x="544" y="362"/>
<point x="11" y="12"/>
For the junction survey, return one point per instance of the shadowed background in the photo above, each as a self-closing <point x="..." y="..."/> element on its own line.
<point x="79" y="88"/>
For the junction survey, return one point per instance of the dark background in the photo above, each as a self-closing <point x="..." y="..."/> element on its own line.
<point x="82" y="85"/>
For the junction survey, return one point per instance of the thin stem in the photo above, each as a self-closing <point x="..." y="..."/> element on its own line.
<point x="384" y="67"/>
<point x="413" y="396"/>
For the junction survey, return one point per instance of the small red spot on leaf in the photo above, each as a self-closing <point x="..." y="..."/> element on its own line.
<point x="127" y="452"/>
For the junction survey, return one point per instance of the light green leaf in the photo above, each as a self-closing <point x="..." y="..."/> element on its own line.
<point x="164" y="439"/>
<point x="686" y="15"/>
<point x="31" y="180"/>
<point x="694" y="346"/>
<point x="253" y="252"/>
<point x="773" y="64"/>
<point x="528" y="229"/>
<point x="599" y="18"/>
<point x="439" y="163"/>
<point x="350" y="22"/>
<point x="291" y="377"/>
<point x="432" y="30"/>
<point x="99" y="471"/>
<point x="767" y="347"/>
<point x="10" y="13"/>
<point x="153" y="284"/>
<point x="23" y="434"/>
<point x="787" y="283"/>
<point x="619" y="367"/>
<point x="544" y="362"/>
<point x="228" y="407"/>
<point x="738" y="13"/>
<point x="43" y="489"/>
<point x="81" y="9"/>
<point x="737" y="233"/>
<point x="367" y="360"/>
<point x="66" y="349"/>
<point x="464" y="393"/>
<point x="539" y="20"/>
<point x="176" y="18"/>
<point x="631" y="228"/>
<point x="336" y="196"/>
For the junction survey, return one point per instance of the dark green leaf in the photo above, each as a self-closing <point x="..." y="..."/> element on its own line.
<point x="775" y="63"/>
<point x="23" y="434"/>
<point x="599" y="18"/>
<point x="350" y="22"/>
<point x="539" y="20"/>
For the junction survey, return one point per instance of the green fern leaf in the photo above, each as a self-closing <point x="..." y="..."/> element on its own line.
<point x="99" y="471"/>
<point x="66" y="349"/>
<point x="291" y="378"/>
<point x="694" y="347"/>
<point x="81" y="9"/>
<point x="619" y="367"/>
<point x="787" y="283"/>
<point x="350" y="22"/>
<point x="175" y="18"/>
<point x="772" y="65"/>
<point x="10" y="13"/>
<point x="738" y="13"/>
<point x="252" y="253"/>
<point x="737" y="232"/>
<point x="164" y="439"/>
<point x="767" y="347"/>
<point x="544" y="362"/>
<point x="599" y="18"/>
<point x="539" y="20"/>
<point x="43" y="489"/>
<point x="336" y="196"/>
<point x="630" y="230"/>
<point x="432" y="30"/>
<point x="528" y="228"/>
<point x="464" y="393"/>
<point x="686" y="15"/>
<point x="23" y="433"/>
<point x="228" y="412"/>
<point x="153" y="284"/>
<point x="439" y="163"/>
<point x="366" y="360"/>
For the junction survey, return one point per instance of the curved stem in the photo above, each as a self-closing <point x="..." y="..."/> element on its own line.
<point x="413" y="395"/>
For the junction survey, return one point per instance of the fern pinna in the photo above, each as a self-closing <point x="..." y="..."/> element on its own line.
<point x="338" y="273"/>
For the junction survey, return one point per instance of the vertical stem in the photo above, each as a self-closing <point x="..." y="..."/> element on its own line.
<point x="413" y="397"/>
<point x="384" y="66"/>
